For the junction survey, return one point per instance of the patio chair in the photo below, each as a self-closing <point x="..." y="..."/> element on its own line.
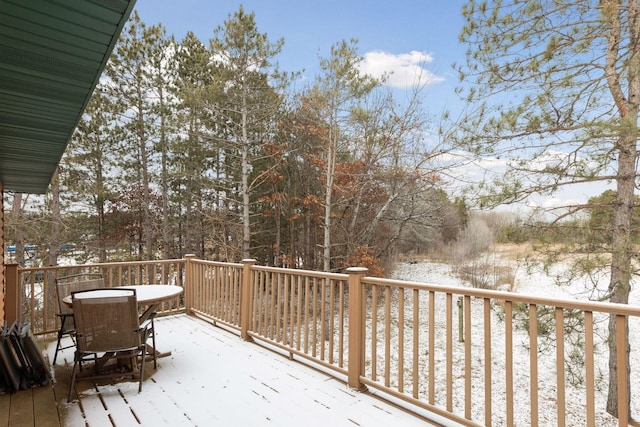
<point x="108" y="328"/>
<point x="66" y="285"/>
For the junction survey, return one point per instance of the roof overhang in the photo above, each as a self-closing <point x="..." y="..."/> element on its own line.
<point x="52" y="53"/>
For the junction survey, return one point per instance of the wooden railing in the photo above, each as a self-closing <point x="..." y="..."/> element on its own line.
<point x="213" y="291"/>
<point x="303" y="312"/>
<point x="461" y="353"/>
<point x="35" y="292"/>
<point x="465" y="354"/>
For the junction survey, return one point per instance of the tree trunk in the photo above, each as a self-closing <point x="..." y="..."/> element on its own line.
<point x="17" y="218"/>
<point x="620" y="284"/>
<point x="199" y="226"/>
<point x="328" y="200"/>
<point x="309" y="261"/>
<point x="278" y="259"/>
<point x="147" y="226"/>
<point x="54" y="241"/>
<point x="167" y="241"/>
<point x="56" y="223"/>
<point x="246" y="225"/>
<point x="100" y="210"/>
<point x="621" y="252"/>
<point x="328" y="188"/>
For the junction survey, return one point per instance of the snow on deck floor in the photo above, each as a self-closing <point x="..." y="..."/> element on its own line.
<point x="214" y="378"/>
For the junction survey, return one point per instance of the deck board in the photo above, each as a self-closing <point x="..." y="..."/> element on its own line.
<point x="45" y="408"/>
<point x="32" y="407"/>
<point x="5" y="405"/>
<point x="211" y="378"/>
<point x="21" y="411"/>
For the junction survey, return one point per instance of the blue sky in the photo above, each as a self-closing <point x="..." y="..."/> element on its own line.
<point x="392" y="35"/>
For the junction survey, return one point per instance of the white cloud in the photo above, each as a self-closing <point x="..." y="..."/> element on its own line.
<point x="462" y="170"/>
<point x="403" y="71"/>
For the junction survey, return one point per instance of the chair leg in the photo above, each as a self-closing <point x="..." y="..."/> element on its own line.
<point x="61" y="333"/>
<point x="153" y="341"/>
<point x="58" y="346"/>
<point x="150" y="332"/>
<point x="73" y="380"/>
<point x="142" y="362"/>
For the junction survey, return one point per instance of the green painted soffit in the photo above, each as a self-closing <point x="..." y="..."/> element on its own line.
<point x="52" y="53"/>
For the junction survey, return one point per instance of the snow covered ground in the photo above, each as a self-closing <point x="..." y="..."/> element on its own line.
<point x="538" y="283"/>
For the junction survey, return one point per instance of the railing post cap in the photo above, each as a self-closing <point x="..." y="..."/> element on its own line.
<point x="190" y="256"/>
<point x="249" y="261"/>
<point x="356" y="270"/>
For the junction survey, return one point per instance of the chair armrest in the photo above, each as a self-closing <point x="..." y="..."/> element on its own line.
<point x="145" y="325"/>
<point x="148" y="323"/>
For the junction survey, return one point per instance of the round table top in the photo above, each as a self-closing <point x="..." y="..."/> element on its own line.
<point x="145" y="294"/>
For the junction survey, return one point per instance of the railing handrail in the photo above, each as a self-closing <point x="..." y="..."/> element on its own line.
<point x="99" y="265"/>
<point x="218" y="263"/>
<point x="301" y="272"/>
<point x="601" y="306"/>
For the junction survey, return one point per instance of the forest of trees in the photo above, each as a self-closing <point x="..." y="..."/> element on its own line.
<point x="205" y="148"/>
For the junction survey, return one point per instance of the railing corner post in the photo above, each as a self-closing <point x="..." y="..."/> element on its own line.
<point x="245" y="298"/>
<point x="12" y="294"/>
<point x="356" y="326"/>
<point x="188" y="282"/>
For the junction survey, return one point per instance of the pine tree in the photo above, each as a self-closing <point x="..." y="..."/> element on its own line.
<point x="555" y="87"/>
<point x="248" y="104"/>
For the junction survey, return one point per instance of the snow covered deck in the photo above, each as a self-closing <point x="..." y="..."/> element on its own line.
<point x="213" y="377"/>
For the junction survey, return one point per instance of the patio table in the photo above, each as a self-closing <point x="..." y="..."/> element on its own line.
<point x="149" y="298"/>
